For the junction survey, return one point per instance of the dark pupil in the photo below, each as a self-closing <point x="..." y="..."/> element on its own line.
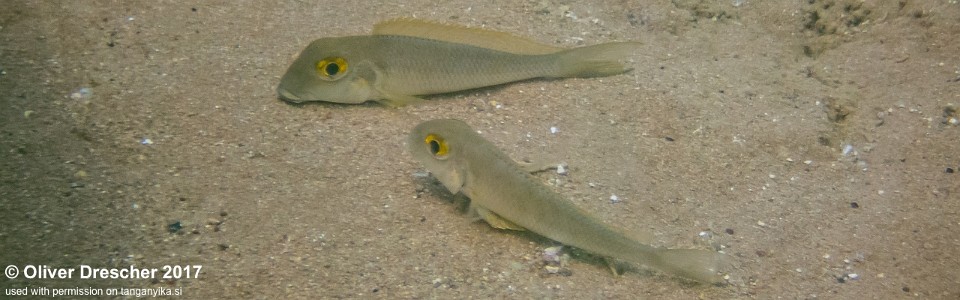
<point x="333" y="69"/>
<point x="434" y="147"/>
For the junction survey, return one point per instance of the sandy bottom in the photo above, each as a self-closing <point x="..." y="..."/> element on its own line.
<point x="814" y="142"/>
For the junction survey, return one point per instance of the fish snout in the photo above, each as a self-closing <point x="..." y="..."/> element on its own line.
<point x="288" y="96"/>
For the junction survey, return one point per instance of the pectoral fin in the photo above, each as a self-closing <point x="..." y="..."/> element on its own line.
<point x="612" y="264"/>
<point x="493" y="219"/>
<point x="394" y="100"/>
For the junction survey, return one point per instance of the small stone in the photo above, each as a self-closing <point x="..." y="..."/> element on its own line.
<point x="949" y="170"/>
<point x="761" y="223"/>
<point x="729" y="231"/>
<point x="614" y="199"/>
<point x="174" y="227"/>
<point x="854" y="205"/>
<point x="552" y="254"/>
<point x="853" y="276"/>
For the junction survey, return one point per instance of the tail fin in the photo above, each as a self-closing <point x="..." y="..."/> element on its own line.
<point x="699" y="265"/>
<point x="597" y="60"/>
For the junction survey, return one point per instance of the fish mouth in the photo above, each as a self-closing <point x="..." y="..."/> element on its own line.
<point x="288" y="96"/>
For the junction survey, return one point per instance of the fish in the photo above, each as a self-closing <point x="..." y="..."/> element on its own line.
<point x="404" y="59"/>
<point x="505" y="194"/>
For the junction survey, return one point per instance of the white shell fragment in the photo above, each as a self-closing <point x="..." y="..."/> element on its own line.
<point x="552" y="254"/>
<point x="561" y="170"/>
<point x="847" y="149"/>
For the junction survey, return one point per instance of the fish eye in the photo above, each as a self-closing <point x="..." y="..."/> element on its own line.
<point x="332" y="68"/>
<point x="438" y="146"/>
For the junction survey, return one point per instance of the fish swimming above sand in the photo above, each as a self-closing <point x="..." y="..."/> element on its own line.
<point x="406" y="58"/>
<point x="503" y="193"/>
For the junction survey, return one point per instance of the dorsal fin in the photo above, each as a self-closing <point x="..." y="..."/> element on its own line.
<point x="483" y="38"/>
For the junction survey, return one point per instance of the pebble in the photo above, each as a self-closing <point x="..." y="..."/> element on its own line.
<point x="561" y="170"/>
<point x="614" y="199"/>
<point x="552" y="254"/>
<point x="847" y="149"/>
<point x="174" y="227"/>
<point x="146" y="141"/>
<point x="554" y="130"/>
<point x="81" y="93"/>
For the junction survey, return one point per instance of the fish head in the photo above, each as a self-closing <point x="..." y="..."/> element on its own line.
<point x="325" y="71"/>
<point x="439" y="146"/>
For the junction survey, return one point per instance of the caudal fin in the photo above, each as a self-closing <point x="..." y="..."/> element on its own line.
<point x="597" y="60"/>
<point x="699" y="265"/>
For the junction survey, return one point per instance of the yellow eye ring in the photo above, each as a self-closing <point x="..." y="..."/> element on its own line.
<point x="332" y="68"/>
<point x="438" y="146"/>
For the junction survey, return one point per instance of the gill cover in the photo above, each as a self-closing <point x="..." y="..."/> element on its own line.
<point x="435" y="145"/>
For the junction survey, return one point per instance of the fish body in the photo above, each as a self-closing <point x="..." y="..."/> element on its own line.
<point x="507" y="196"/>
<point x="406" y="58"/>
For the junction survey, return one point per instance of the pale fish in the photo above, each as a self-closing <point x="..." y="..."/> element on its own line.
<point x="503" y="193"/>
<point x="405" y="58"/>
